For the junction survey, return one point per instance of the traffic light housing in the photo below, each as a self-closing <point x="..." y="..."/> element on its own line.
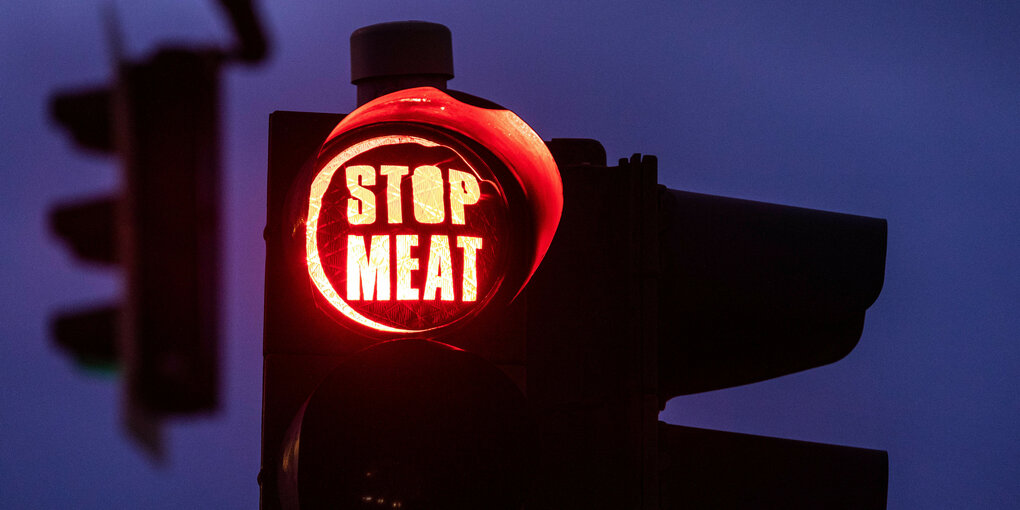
<point x="644" y="293"/>
<point x="428" y="426"/>
<point x="448" y="173"/>
<point x="614" y="323"/>
<point x="678" y="293"/>
<point x="161" y="118"/>
<point x="749" y="289"/>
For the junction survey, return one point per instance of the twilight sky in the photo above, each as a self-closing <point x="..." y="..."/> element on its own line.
<point x="907" y="111"/>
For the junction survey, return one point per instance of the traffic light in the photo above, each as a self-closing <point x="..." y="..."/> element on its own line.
<point x="420" y="218"/>
<point x="647" y="293"/>
<point x="459" y="315"/>
<point x="161" y="119"/>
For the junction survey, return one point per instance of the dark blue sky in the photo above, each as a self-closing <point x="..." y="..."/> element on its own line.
<point x="908" y="111"/>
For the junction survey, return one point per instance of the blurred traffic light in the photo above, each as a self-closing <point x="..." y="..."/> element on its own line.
<point x="160" y="117"/>
<point x="435" y="272"/>
<point x="162" y="229"/>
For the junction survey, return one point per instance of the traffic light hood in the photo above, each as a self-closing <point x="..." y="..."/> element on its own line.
<point x="498" y="130"/>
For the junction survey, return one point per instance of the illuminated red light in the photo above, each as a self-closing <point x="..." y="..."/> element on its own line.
<point x="422" y="207"/>
<point x="397" y="228"/>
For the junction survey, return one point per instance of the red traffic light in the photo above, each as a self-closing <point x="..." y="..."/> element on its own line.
<point x="423" y="209"/>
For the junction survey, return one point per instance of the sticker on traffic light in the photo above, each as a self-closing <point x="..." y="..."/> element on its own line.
<point x="407" y="229"/>
<point x="423" y="209"/>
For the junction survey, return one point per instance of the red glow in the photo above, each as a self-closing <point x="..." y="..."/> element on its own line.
<point x="500" y="131"/>
<point x="406" y="234"/>
<point x="409" y="228"/>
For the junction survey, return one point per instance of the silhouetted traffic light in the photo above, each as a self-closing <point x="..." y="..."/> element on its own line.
<point x="648" y="293"/>
<point x="409" y="424"/>
<point x="160" y="117"/>
<point x="423" y="226"/>
<point x="429" y="223"/>
<point x="162" y="120"/>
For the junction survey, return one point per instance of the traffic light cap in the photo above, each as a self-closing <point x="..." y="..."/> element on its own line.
<point x="401" y="48"/>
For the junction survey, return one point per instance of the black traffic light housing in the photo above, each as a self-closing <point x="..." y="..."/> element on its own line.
<point x="428" y="426"/>
<point x="303" y="343"/>
<point x="162" y="120"/>
<point x="749" y="290"/>
<point x="648" y="293"/>
<point x="644" y="294"/>
<point x="160" y="116"/>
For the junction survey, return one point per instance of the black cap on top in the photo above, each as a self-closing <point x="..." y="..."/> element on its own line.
<point x="401" y="48"/>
